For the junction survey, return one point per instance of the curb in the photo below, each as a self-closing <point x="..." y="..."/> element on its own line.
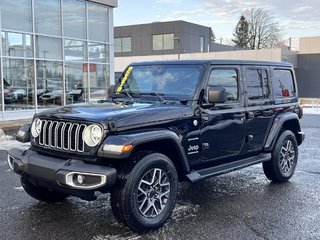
<point x="13" y="125"/>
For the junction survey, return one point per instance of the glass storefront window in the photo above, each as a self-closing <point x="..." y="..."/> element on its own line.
<point x="49" y="84"/>
<point x="17" y="45"/>
<point x="98" y="24"/>
<point x="99" y="80"/>
<point x="75" y="50"/>
<point x="76" y="83"/>
<point x="74" y="16"/>
<point x="47" y="17"/>
<point x="16" y="15"/>
<point x="18" y="82"/>
<point x="98" y="52"/>
<point x="71" y="57"/>
<point x="49" y="48"/>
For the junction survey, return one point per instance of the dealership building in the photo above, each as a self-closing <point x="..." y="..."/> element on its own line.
<point x="54" y="53"/>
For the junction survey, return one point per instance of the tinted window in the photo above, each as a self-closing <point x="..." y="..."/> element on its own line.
<point x="227" y="78"/>
<point x="283" y="85"/>
<point x="257" y="84"/>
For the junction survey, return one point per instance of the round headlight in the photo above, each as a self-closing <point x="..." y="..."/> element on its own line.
<point x="36" y="127"/>
<point x="92" y="135"/>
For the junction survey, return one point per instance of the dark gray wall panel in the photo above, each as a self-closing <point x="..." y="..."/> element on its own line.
<point x="308" y="75"/>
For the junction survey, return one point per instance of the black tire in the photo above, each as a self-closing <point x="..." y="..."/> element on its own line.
<point x="149" y="185"/>
<point x="41" y="194"/>
<point x="284" y="158"/>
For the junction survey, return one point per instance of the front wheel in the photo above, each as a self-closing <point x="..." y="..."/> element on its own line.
<point x="284" y="158"/>
<point x="146" y="193"/>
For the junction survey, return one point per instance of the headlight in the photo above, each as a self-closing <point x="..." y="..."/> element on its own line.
<point x="36" y="127"/>
<point x="92" y="135"/>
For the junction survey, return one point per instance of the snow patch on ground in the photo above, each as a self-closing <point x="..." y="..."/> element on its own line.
<point x="6" y="144"/>
<point x="311" y="110"/>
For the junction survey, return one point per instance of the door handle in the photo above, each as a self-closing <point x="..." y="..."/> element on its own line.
<point x="250" y="115"/>
<point x="267" y="113"/>
<point x="240" y="116"/>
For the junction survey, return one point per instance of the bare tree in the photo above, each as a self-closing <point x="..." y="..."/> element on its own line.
<point x="264" y="31"/>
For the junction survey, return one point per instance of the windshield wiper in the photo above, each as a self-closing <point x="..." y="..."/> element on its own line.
<point x="162" y="100"/>
<point x="128" y="95"/>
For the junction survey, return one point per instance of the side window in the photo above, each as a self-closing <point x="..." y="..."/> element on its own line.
<point x="257" y="84"/>
<point x="227" y="78"/>
<point x="283" y="84"/>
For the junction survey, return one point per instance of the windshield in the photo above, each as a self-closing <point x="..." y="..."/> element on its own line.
<point x="178" y="81"/>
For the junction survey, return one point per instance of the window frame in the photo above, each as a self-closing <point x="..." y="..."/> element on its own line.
<point x="293" y="82"/>
<point x="269" y="85"/>
<point x="120" y="39"/>
<point x="162" y="35"/>
<point x="238" y="72"/>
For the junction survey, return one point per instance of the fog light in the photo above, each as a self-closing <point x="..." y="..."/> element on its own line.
<point x="83" y="180"/>
<point x="80" y="179"/>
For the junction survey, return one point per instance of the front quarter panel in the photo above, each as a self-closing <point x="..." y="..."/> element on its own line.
<point x="136" y="139"/>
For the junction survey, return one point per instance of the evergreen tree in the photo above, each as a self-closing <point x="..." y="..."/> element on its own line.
<point x="241" y="34"/>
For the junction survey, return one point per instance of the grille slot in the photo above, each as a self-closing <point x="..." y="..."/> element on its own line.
<point x="62" y="135"/>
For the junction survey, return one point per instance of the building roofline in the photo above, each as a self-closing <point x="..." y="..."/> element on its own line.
<point x="166" y="22"/>
<point x="111" y="3"/>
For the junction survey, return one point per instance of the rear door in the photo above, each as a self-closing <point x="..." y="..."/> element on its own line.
<point x="259" y="105"/>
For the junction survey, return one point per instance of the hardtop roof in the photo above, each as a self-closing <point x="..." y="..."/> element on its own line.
<point x="215" y="62"/>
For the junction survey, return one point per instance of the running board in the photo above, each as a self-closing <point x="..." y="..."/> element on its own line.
<point x="198" y="175"/>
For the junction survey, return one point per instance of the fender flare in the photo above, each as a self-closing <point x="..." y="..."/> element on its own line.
<point x="137" y="139"/>
<point x="277" y="124"/>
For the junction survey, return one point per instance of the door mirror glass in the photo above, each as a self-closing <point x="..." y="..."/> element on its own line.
<point x="217" y="95"/>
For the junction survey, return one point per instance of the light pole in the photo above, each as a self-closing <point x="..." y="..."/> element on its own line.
<point x="178" y="41"/>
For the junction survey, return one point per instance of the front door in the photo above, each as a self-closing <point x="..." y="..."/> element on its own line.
<point x="223" y="129"/>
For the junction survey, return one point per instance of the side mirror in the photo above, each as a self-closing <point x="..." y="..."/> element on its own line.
<point x="217" y="95"/>
<point x="24" y="133"/>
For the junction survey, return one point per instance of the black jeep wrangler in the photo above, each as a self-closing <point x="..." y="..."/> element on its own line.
<point x="165" y="122"/>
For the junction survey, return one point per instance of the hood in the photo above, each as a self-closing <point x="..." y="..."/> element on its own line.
<point x="123" y="115"/>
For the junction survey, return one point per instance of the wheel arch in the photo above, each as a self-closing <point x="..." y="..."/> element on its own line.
<point x="284" y="121"/>
<point x="162" y="141"/>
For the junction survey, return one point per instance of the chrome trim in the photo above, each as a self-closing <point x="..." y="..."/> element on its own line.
<point x="10" y="160"/>
<point x="62" y="135"/>
<point x="70" y="183"/>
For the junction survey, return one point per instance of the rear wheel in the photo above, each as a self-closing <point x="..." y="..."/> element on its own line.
<point x="284" y="158"/>
<point x="146" y="195"/>
<point x="40" y="193"/>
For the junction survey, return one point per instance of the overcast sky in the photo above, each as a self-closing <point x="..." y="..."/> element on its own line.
<point x="298" y="18"/>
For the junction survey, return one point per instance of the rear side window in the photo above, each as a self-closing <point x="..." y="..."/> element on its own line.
<point x="257" y="84"/>
<point x="283" y="83"/>
<point x="227" y="78"/>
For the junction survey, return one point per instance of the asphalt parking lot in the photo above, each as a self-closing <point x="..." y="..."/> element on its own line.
<point x="238" y="205"/>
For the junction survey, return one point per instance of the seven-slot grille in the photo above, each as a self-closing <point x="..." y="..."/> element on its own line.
<point x="62" y="135"/>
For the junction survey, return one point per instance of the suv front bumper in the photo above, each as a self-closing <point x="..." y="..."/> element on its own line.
<point x="69" y="176"/>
